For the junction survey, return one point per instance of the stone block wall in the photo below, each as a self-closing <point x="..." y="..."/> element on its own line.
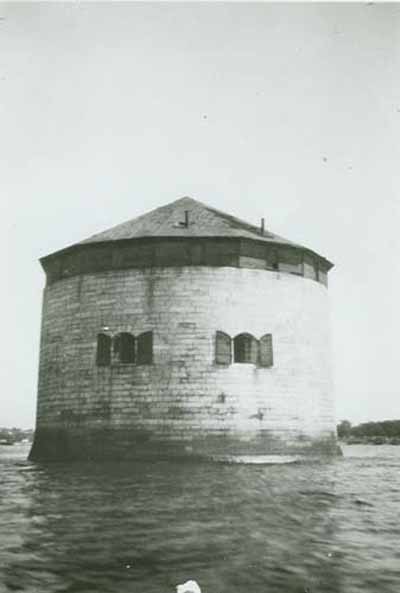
<point x="184" y="403"/>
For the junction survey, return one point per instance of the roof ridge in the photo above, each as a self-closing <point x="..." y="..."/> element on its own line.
<point x="231" y="220"/>
<point x="201" y="222"/>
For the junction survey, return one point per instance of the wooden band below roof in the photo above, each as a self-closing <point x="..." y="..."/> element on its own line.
<point x="167" y="252"/>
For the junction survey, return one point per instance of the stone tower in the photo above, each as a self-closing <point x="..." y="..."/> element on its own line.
<point x="184" y="332"/>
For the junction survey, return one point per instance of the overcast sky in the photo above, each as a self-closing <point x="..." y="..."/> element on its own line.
<point x="287" y="111"/>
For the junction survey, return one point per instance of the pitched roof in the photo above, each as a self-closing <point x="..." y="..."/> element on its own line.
<point x="204" y="221"/>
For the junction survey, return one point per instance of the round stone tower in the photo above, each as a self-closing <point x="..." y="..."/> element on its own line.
<point x="184" y="332"/>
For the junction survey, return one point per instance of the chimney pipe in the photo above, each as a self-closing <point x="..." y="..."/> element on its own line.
<point x="186" y="218"/>
<point x="262" y="225"/>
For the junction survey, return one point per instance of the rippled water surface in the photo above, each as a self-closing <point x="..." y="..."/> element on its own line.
<point x="117" y="528"/>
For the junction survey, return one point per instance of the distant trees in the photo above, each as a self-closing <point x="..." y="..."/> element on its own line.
<point x="344" y="429"/>
<point x="385" y="430"/>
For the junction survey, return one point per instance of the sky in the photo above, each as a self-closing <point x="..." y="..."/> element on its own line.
<point x="285" y="111"/>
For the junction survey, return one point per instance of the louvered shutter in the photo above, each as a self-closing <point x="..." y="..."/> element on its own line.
<point x="116" y="344"/>
<point x="253" y="350"/>
<point x="145" y="348"/>
<point x="103" y="355"/>
<point x="223" y="348"/>
<point x="266" y="358"/>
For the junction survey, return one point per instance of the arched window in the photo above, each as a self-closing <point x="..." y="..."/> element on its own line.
<point x="103" y="354"/>
<point x="124" y="348"/>
<point x="223" y="348"/>
<point x="245" y="348"/>
<point x="266" y="356"/>
<point x="145" y="348"/>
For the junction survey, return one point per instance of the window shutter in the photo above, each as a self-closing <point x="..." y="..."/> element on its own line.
<point x="103" y="354"/>
<point x="254" y="350"/>
<point x="117" y="344"/>
<point x="223" y="348"/>
<point x="266" y="358"/>
<point x="145" y="348"/>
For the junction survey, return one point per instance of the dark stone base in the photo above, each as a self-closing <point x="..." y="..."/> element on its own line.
<point x="69" y="444"/>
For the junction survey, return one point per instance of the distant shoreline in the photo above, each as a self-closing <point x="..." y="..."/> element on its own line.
<point x="370" y="440"/>
<point x="384" y="432"/>
<point x="18" y="437"/>
<point x="14" y="436"/>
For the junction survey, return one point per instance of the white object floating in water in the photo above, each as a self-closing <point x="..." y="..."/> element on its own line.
<point x="258" y="459"/>
<point x="188" y="587"/>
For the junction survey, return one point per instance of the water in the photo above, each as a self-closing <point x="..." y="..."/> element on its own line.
<point x="119" y="528"/>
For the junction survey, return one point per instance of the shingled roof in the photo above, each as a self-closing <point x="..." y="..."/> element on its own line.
<point x="168" y="221"/>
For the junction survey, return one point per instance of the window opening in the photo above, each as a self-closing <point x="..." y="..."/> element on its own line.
<point x="124" y="348"/>
<point x="245" y="348"/>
